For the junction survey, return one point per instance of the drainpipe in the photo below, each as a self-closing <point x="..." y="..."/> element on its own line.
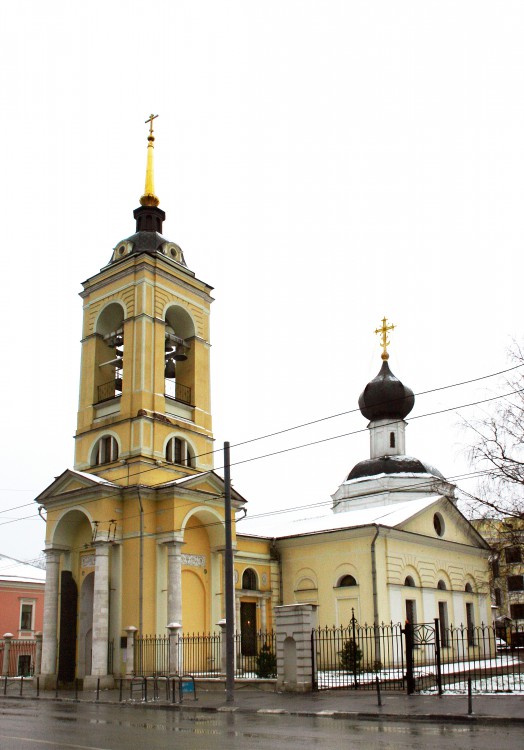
<point x="141" y="567"/>
<point x="375" y="593"/>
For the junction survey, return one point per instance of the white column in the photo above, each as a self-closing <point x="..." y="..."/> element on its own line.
<point x="50" y="629"/>
<point x="174" y="582"/>
<point x="100" y="610"/>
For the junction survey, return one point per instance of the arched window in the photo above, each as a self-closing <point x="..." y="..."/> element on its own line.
<point x="468" y="588"/>
<point x="442" y="585"/>
<point x="106" y="451"/>
<point x="249" y="579"/>
<point x="179" y="451"/>
<point x="347" y="581"/>
<point x="409" y="581"/>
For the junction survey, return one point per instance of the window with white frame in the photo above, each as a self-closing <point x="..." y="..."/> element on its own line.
<point x="106" y="450"/>
<point x="178" y="451"/>
<point x="27" y="610"/>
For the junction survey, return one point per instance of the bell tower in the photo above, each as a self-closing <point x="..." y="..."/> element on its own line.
<point x="144" y="414"/>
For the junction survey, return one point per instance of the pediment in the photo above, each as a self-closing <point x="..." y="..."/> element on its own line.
<point x="443" y="521"/>
<point x="70" y="481"/>
<point x="210" y="482"/>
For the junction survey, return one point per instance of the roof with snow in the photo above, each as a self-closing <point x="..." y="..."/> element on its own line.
<point x="17" y="571"/>
<point x="296" y="523"/>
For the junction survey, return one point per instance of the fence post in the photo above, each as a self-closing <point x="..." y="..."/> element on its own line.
<point x="410" y="677"/>
<point x="174" y="639"/>
<point x="437" y="655"/>
<point x="8" y="637"/>
<point x="130" y="650"/>
<point x="223" y="655"/>
<point x="38" y="654"/>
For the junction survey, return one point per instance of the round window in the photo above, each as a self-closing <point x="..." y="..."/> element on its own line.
<point x="438" y="524"/>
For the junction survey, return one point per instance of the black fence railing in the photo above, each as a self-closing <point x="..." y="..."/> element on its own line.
<point x="201" y="655"/>
<point x="255" y="655"/>
<point x="353" y="657"/>
<point x="420" y="657"/>
<point x="22" y="655"/>
<point x="151" y="655"/>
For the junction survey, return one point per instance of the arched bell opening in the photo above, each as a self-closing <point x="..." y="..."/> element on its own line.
<point x="179" y="355"/>
<point x="109" y="353"/>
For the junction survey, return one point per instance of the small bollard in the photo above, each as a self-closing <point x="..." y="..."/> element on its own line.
<point x="470" y="698"/>
<point x="120" y="693"/>
<point x="56" y="688"/>
<point x="173" y="692"/>
<point x="38" y="687"/>
<point x="98" y="688"/>
<point x="76" y="689"/>
<point x="5" y="685"/>
<point x="379" y="696"/>
<point x="21" y="683"/>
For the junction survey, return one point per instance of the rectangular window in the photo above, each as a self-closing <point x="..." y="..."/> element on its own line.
<point x="495" y="568"/>
<point x="513" y="554"/>
<point x="443" y="622"/>
<point x="517" y="611"/>
<point x="26" y="616"/>
<point x="498" y="597"/>
<point x="515" y="583"/>
<point x="470" y="624"/>
<point x="411" y="611"/>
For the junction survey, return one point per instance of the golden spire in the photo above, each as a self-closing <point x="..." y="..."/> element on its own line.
<point x="384" y="335"/>
<point x="149" y="198"/>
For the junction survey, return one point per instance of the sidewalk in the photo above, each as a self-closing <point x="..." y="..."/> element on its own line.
<point x="343" y="704"/>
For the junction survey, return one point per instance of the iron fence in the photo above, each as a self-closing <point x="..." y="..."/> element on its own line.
<point x="202" y="654"/>
<point x="353" y="657"/>
<point x="151" y="655"/>
<point x="420" y="657"/>
<point x="22" y="655"/>
<point x="255" y="657"/>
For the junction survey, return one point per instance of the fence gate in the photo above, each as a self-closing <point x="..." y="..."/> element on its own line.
<point x="423" y="662"/>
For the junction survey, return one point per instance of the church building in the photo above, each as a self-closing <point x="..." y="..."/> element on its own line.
<point x="135" y="531"/>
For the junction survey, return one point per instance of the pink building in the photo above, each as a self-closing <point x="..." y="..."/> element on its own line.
<point x="21" y="598"/>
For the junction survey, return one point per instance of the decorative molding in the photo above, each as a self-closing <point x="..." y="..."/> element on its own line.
<point x="194" y="561"/>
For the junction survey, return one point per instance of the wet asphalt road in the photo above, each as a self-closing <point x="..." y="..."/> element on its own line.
<point x="44" y="725"/>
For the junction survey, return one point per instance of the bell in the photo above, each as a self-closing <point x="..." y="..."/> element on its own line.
<point x="118" y="384"/>
<point x="168" y="346"/>
<point x="118" y="353"/>
<point x="118" y="364"/>
<point x="179" y="355"/>
<point x="169" y="372"/>
<point x="119" y="340"/>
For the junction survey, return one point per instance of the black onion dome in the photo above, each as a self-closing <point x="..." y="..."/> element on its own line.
<point x="385" y="397"/>
<point x="392" y="465"/>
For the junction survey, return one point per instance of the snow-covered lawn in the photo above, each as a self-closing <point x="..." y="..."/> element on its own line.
<point x="494" y="683"/>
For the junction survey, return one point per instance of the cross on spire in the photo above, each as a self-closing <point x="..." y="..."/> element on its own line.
<point x="384" y="336"/>
<point x="150" y="121"/>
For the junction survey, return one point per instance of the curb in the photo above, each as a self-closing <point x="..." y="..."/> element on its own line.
<point x="322" y="714"/>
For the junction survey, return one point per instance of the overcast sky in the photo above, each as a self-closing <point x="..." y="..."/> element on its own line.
<point x="322" y="165"/>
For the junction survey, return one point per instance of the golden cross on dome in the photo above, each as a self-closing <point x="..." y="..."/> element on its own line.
<point x="150" y="121"/>
<point x="384" y="335"/>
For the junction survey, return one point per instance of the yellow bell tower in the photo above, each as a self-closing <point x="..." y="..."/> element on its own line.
<point x="144" y="414"/>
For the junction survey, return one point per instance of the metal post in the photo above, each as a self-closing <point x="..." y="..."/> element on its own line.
<point x="470" y="697"/>
<point x="437" y="656"/>
<point x="98" y="688"/>
<point x="230" y="603"/>
<point x="379" y="697"/>
<point x="410" y="677"/>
